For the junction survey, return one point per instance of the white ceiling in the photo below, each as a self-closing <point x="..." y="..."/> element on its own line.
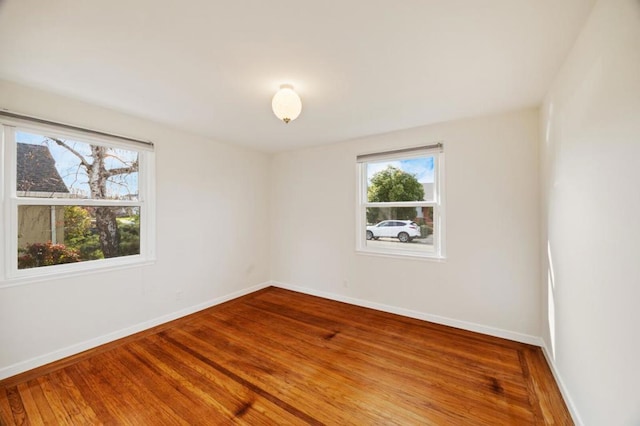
<point x="361" y="67"/>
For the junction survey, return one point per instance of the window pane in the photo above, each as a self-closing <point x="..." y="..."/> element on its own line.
<point x="410" y="179"/>
<point x="50" y="235"/>
<point x="400" y="228"/>
<point x="51" y="167"/>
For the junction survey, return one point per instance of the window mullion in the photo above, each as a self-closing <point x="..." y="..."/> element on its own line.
<point x="36" y="201"/>
<point x="401" y="204"/>
<point x="10" y="224"/>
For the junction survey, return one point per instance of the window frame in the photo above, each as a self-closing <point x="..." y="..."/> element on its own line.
<point x="438" y="203"/>
<point x="11" y="202"/>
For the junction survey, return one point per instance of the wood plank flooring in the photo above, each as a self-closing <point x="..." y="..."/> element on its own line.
<point x="277" y="357"/>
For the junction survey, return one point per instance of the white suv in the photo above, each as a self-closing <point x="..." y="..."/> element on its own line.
<point x="404" y="230"/>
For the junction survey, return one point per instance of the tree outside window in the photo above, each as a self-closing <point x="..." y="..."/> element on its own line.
<point x="75" y="200"/>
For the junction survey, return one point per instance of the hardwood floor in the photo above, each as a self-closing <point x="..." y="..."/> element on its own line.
<point x="277" y="357"/>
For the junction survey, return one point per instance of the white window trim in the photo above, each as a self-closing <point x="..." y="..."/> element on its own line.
<point x="438" y="203"/>
<point x="9" y="200"/>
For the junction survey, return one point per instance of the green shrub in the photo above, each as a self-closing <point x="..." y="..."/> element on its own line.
<point x="78" y="233"/>
<point x="426" y="230"/>
<point x="129" y="230"/>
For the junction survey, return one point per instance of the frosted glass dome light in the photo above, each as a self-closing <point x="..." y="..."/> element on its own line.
<point x="286" y="103"/>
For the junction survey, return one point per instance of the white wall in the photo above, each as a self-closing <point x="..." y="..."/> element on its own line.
<point x="490" y="280"/>
<point x="590" y="162"/>
<point x="212" y="204"/>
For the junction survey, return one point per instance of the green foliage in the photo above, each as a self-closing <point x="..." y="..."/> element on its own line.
<point x="77" y="223"/>
<point x="129" y="229"/>
<point x="89" y="247"/>
<point x="78" y="233"/>
<point x="81" y="235"/>
<point x="393" y="184"/>
<point x="46" y="254"/>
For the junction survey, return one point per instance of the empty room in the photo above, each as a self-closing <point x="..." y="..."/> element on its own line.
<point x="419" y="212"/>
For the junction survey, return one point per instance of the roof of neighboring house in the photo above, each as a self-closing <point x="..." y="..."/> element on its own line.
<point x="37" y="170"/>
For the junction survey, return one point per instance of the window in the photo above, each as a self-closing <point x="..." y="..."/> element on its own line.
<point x="401" y="202"/>
<point x="73" y="201"/>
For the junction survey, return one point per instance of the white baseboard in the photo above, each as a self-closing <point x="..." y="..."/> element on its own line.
<point x="59" y="354"/>
<point x="465" y="325"/>
<point x="563" y="389"/>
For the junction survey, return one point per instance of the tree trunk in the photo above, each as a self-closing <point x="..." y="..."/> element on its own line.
<point x="98" y="174"/>
<point x="108" y="231"/>
<point x="105" y="216"/>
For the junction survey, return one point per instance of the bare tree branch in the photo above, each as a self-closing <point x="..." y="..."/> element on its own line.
<point x="122" y="170"/>
<point x="71" y="150"/>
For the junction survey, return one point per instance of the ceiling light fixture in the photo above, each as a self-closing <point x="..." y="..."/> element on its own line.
<point x="286" y="103"/>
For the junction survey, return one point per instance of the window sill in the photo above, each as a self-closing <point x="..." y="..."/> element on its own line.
<point x="57" y="272"/>
<point x="402" y="255"/>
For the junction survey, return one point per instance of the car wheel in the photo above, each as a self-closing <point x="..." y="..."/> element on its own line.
<point x="369" y="235"/>
<point x="403" y="237"/>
